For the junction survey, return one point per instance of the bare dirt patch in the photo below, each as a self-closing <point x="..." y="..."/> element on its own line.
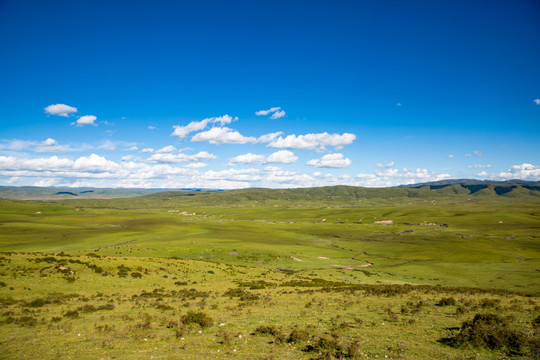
<point x="352" y="267"/>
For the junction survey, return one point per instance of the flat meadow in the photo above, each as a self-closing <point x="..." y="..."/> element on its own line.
<point x="187" y="275"/>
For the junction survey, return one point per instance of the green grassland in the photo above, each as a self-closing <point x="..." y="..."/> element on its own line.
<point x="334" y="272"/>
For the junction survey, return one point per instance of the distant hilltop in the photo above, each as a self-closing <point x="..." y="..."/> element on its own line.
<point x="472" y="182"/>
<point x="449" y="188"/>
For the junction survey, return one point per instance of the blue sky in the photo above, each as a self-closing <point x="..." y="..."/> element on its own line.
<point x="235" y="94"/>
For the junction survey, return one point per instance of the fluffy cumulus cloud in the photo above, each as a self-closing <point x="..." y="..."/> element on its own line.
<point x="95" y="163"/>
<point x="282" y="157"/>
<point x="524" y="171"/>
<point x="266" y="138"/>
<point x="336" y="160"/>
<point x="166" y="150"/>
<point x="86" y="120"/>
<point x="248" y="158"/>
<point x="49" y="142"/>
<point x="223" y="120"/>
<point x="182" y="131"/>
<point x="60" y="110"/>
<point x="313" y="141"/>
<point x="537" y="101"/>
<point x="222" y="135"/>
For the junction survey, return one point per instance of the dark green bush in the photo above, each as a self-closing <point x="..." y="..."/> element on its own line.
<point x="106" y="307"/>
<point x="298" y="335"/>
<point x="199" y="317"/>
<point x="266" y="330"/>
<point x="489" y="331"/>
<point x="71" y="314"/>
<point x="38" y="303"/>
<point x="448" y="301"/>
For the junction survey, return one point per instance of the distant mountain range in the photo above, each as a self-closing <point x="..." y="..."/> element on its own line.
<point x="455" y="187"/>
<point x="471" y="182"/>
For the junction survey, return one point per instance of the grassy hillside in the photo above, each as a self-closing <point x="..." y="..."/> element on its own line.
<point x="322" y="273"/>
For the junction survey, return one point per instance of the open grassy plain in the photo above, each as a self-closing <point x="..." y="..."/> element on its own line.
<point x="274" y="274"/>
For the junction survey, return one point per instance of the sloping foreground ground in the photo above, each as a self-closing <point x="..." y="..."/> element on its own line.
<point x="181" y="276"/>
<point x="92" y="307"/>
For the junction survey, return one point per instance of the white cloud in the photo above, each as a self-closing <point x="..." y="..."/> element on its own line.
<point x="282" y="157"/>
<point x="86" y="120"/>
<point x="223" y="120"/>
<point x="133" y="148"/>
<point x="266" y="138"/>
<point x="182" y="131"/>
<point x="248" y="158"/>
<point x="95" y="170"/>
<point x="222" y="135"/>
<point x="483" y="174"/>
<point x="479" y="166"/>
<point x="335" y="160"/>
<point x="313" y="141"/>
<point x="53" y="163"/>
<point x="49" y="142"/>
<point x="196" y="165"/>
<point x="147" y="150"/>
<point x="537" y="101"/>
<point x="524" y="172"/>
<point x="126" y="158"/>
<point x="467" y="155"/>
<point x="451" y="156"/>
<point x="266" y="112"/>
<point x="477" y="153"/>
<point x="49" y="145"/>
<point x="60" y="110"/>
<point x="278" y="115"/>
<point x="95" y="163"/>
<point x="150" y="127"/>
<point x="178" y="158"/>
<point x="166" y="150"/>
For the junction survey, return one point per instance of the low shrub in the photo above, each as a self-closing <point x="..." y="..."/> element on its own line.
<point x="71" y="314"/>
<point x="197" y="317"/>
<point x="266" y="330"/>
<point x="489" y="331"/>
<point x="448" y="301"/>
